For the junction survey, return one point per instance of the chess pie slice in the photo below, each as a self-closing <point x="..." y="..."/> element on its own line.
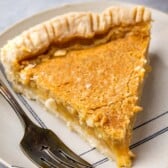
<point x="89" y="69"/>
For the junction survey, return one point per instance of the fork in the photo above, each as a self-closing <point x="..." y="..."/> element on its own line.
<point x="40" y="144"/>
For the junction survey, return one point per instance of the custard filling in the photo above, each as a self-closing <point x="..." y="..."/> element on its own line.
<point x="87" y="87"/>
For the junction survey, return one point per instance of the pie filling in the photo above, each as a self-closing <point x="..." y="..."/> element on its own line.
<point x="89" y="68"/>
<point x="86" y="83"/>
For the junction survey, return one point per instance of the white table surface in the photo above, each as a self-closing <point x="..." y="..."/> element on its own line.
<point x="12" y="11"/>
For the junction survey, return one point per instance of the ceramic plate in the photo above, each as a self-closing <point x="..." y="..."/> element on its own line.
<point x="150" y="137"/>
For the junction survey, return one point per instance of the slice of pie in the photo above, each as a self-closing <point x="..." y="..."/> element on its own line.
<point x="89" y="69"/>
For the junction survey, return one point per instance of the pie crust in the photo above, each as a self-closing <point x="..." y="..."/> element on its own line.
<point x="89" y="68"/>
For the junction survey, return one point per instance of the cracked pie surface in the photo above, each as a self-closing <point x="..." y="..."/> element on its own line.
<point x="89" y="69"/>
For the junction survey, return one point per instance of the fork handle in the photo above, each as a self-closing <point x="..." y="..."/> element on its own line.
<point x="16" y="106"/>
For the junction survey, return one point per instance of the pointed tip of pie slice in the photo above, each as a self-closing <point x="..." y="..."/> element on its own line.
<point x="89" y="69"/>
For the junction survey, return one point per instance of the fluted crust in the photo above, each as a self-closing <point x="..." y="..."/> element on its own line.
<point x="68" y="26"/>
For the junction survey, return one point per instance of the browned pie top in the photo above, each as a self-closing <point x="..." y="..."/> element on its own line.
<point x="101" y="82"/>
<point x="92" y="63"/>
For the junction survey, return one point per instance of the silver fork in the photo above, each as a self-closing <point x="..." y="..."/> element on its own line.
<point x="40" y="144"/>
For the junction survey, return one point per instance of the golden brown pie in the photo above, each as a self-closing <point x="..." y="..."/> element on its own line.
<point x="88" y="68"/>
